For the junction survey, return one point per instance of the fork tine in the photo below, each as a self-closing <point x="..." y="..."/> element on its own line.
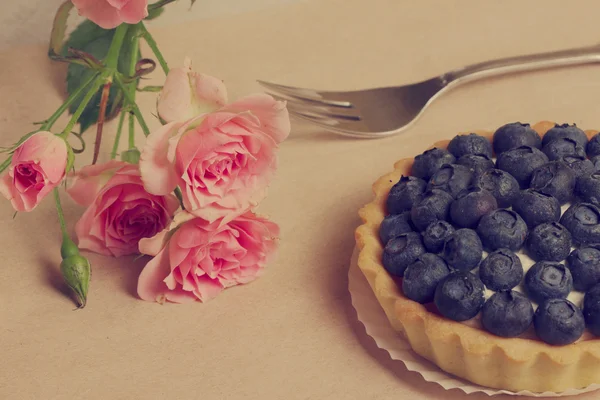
<point x="346" y="127"/>
<point x="307" y="95"/>
<point x="320" y="110"/>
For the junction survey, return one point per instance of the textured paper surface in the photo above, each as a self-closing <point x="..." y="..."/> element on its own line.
<point x="372" y="316"/>
<point x="293" y="333"/>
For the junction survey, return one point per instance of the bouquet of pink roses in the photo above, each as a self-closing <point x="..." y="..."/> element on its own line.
<point x="186" y="196"/>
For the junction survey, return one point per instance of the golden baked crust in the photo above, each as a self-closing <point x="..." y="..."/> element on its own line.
<point x="465" y="351"/>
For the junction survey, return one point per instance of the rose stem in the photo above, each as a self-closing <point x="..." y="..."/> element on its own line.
<point x="154" y="47"/>
<point x="111" y="68"/>
<point x="135" y="48"/>
<point x="47" y="125"/>
<point x="101" y="117"/>
<point x="88" y="97"/>
<point x="134" y="108"/>
<point x="61" y="215"/>
<point x="115" y="148"/>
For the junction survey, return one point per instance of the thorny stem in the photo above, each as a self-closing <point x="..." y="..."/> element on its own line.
<point x="115" y="148"/>
<point x="88" y="97"/>
<point x="134" y="108"/>
<point x="61" y="215"/>
<point x="135" y="47"/>
<point x="47" y="125"/>
<point x="111" y="64"/>
<point x="101" y="117"/>
<point x="154" y="47"/>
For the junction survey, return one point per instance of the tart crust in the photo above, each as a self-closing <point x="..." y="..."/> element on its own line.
<point x="469" y="352"/>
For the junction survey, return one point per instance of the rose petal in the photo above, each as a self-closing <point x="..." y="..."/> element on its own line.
<point x="99" y="12"/>
<point x="158" y="172"/>
<point x="133" y="11"/>
<point x="86" y="183"/>
<point x="151" y="283"/>
<point x="273" y="115"/>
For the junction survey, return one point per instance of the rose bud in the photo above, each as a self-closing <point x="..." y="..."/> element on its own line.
<point x="187" y="94"/>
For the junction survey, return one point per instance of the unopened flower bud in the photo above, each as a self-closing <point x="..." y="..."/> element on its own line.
<point x="76" y="271"/>
<point x="131" y="156"/>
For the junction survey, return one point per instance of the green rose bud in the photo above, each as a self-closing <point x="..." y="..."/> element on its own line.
<point x="131" y="156"/>
<point x="76" y="271"/>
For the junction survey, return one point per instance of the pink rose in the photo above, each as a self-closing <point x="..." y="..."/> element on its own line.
<point x="222" y="161"/>
<point x="37" y="166"/>
<point x="196" y="259"/>
<point x="109" y="14"/>
<point x="120" y="212"/>
<point x="187" y="94"/>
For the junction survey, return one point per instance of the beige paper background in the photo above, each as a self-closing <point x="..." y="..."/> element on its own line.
<point x="293" y="333"/>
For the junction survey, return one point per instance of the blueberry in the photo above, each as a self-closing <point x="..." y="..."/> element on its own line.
<point x="434" y="206"/>
<point x="555" y="179"/>
<point x="422" y="277"/>
<point x="436" y="234"/>
<point x="536" y="208"/>
<point x="402" y="251"/>
<point x="394" y="225"/>
<point x="472" y="143"/>
<point x="451" y="178"/>
<point x="470" y="206"/>
<point x="548" y="280"/>
<point x="565" y="131"/>
<point x="459" y="296"/>
<point x="558" y="322"/>
<point x="584" y="264"/>
<point x="583" y="221"/>
<point x="595" y="161"/>
<point x="463" y="250"/>
<point x="549" y="242"/>
<point x="507" y="314"/>
<point x="426" y="164"/>
<point x="501" y="270"/>
<point x="593" y="147"/>
<point x="591" y="309"/>
<point x="405" y="193"/>
<point x="477" y="163"/>
<point x="502" y="185"/>
<point x="562" y="147"/>
<point x="521" y="162"/>
<point x="588" y="188"/>
<point x="578" y="164"/>
<point x="502" y="228"/>
<point x="516" y="134"/>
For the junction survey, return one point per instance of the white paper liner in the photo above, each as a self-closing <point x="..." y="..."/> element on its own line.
<point x="372" y="316"/>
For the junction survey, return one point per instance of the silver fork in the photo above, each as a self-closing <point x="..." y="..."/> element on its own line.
<point x="381" y="112"/>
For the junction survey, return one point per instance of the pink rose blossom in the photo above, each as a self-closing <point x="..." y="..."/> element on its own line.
<point x="37" y="166"/>
<point x="120" y="212"/>
<point x="187" y="94"/>
<point x="196" y="259"/>
<point x="109" y="14"/>
<point x="222" y="161"/>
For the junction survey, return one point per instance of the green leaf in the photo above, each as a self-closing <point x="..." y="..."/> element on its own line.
<point x="5" y="164"/>
<point x="94" y="40"/>
<point x="154" y="13"/>
<point x="59" y="28"/>
<point x="153" y="89"/>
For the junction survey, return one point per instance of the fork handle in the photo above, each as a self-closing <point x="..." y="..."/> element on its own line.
<point x="582" y="55"/>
